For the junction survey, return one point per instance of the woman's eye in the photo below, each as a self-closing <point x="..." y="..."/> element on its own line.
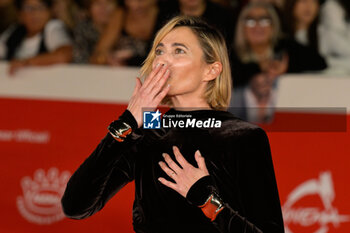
<point x="159" y="52"/>
<point x="179" y="51"/>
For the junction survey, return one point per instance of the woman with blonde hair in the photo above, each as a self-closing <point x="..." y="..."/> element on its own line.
<point x="258" y="32"/>
<point x="208" y="171"/>
<point x="259" y="41"/>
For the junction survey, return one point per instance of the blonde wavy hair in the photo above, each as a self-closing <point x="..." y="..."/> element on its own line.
<point x="240" y="44"/>
<point x="218" y="90"/>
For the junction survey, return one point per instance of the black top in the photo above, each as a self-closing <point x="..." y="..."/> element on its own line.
<point x="238" y="159"/>
<point x="86" y="37"/>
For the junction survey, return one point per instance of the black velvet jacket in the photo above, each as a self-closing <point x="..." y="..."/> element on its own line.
<point x="238" y="159"/>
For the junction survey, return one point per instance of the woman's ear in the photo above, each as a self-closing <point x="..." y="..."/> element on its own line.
<point x="213" y="71"/>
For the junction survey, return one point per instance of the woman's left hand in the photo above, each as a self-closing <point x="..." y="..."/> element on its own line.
<point x="184" y="176"/>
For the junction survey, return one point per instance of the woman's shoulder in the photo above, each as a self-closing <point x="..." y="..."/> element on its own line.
<point x="56" y="35"/>
<point x="55" y="28"/>
<point x="238" y="136"/>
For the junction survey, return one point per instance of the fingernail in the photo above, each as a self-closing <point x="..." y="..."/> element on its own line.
<point x="163" y="155"/>
<point x="167" y="71"/>
<point x="157" y="65"/>
<point x="199" y="152"/>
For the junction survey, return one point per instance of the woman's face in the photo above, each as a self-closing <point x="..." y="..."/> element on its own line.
<point x="139" y="6"/>
<point x="305" y="11"/>
<point x="101" y="11"/>
<point x="34" y="15"/>
<point x="258" y="27"/>
<point x="181" y="51"/>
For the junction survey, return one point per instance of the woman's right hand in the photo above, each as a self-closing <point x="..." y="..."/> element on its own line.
<point x="150" y="93"/>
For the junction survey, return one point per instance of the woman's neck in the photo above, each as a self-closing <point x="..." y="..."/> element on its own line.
<point x="301" y="26"/>
<point x="189" y="103"/>
<point x="32" y="33"/>
<point x="262" y="51"/>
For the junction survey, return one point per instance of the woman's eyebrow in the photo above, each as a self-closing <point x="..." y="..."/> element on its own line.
<point x="173" y="45"/>
<point x="179" y="44"/>
<point x="160" y="45"/>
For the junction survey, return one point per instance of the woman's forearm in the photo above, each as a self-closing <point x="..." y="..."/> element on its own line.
<point x="108" y="169"/>
<point x="108" y="37"/>
<point x="61" y="55"/>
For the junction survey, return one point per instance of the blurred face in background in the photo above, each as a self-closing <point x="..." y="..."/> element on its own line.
<point x="139" y="6"/>
<point x="34" y="14"/>
<point x="258" y="27"/>
<point x="101" y="11"/>
<point x="305" y="11"/>
<point x="190" y="4"/>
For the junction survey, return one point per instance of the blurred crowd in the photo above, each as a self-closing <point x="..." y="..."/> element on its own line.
<point x="265" y="38"/>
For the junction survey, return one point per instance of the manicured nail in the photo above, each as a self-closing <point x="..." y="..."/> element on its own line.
<point x="199" y="153"/>
<point x="163" y="155"/>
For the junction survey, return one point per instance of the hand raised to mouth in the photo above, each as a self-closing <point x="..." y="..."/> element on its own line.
<point x="150" y="93"/>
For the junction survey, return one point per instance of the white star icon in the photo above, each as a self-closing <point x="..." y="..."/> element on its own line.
<point x="155" y="115"/>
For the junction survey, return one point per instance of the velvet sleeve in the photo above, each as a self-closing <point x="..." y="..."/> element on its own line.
<point x="256" y="187"/>
<point x="109" y="168"/>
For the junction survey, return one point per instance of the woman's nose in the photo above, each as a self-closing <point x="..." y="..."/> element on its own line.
<point x="162" y="61"/>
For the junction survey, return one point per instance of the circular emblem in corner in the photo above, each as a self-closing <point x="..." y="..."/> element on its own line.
<point x="40" y="202"/>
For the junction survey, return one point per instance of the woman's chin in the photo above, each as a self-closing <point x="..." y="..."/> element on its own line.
<point x="171" y="93"/>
